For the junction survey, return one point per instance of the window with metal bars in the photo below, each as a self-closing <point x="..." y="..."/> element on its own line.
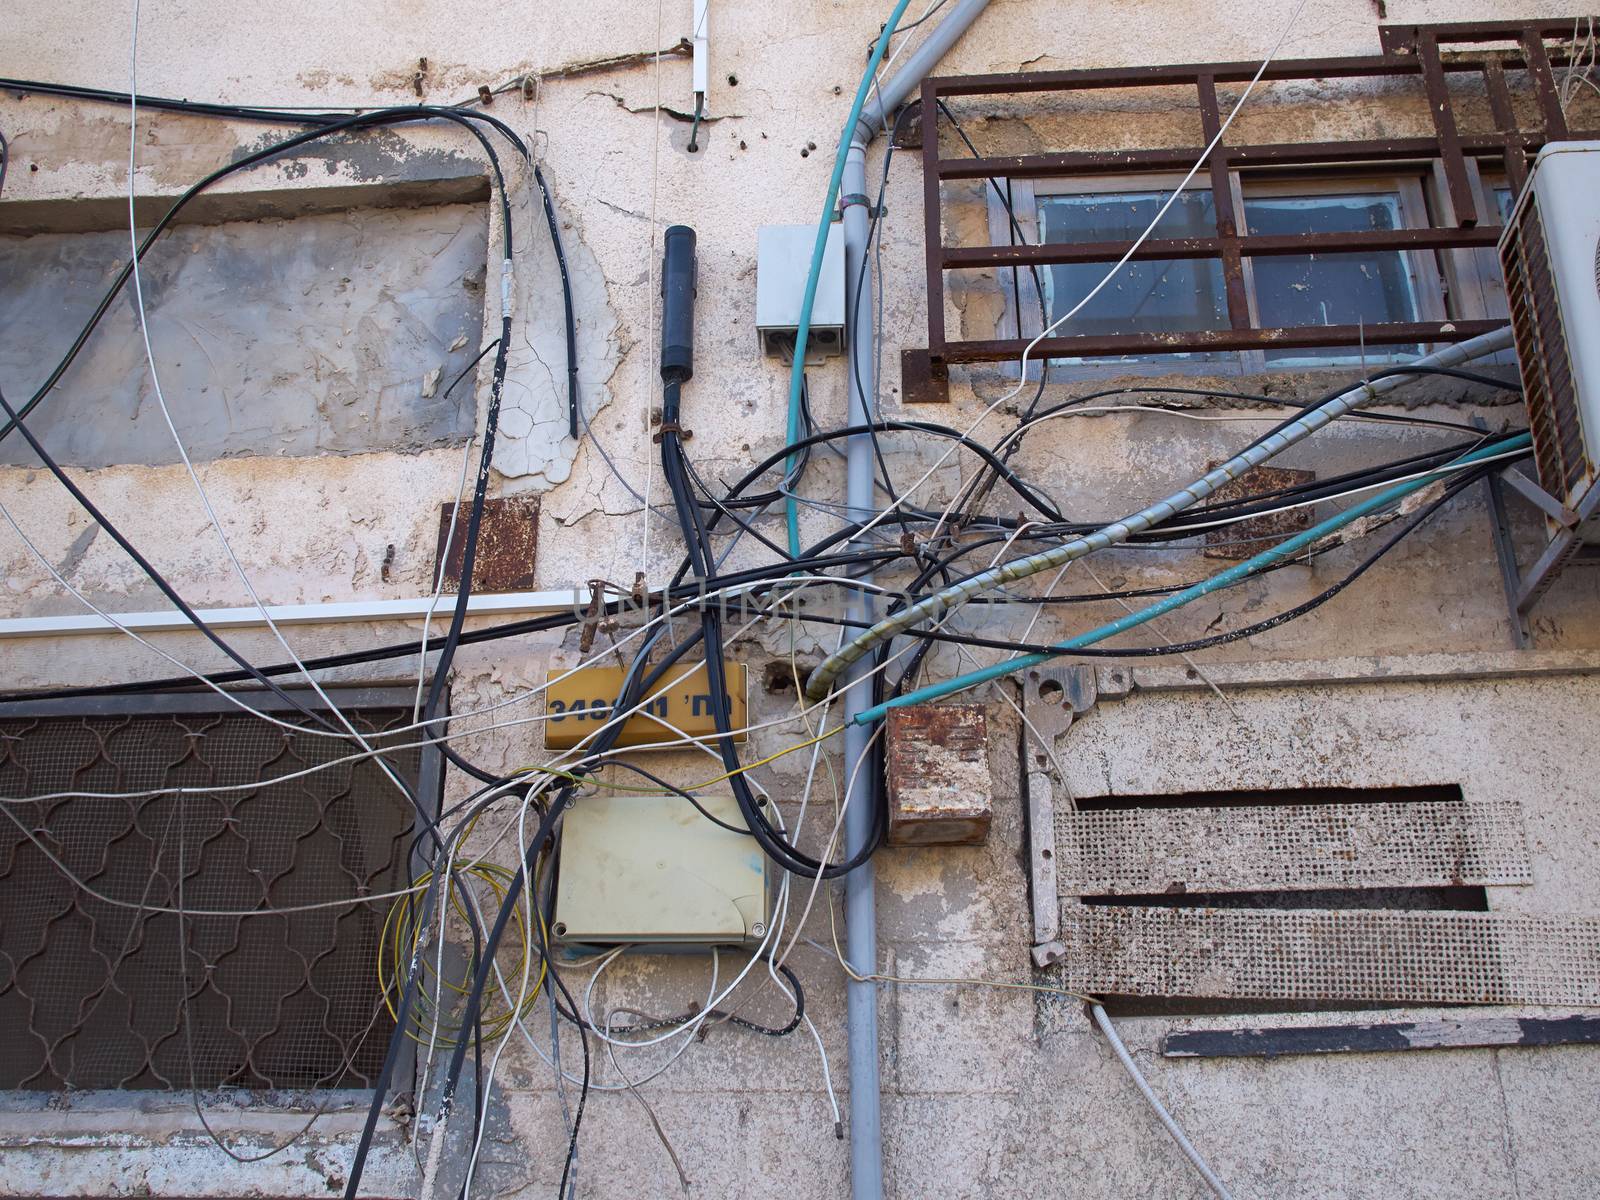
<point x="1361" y="289"/>
<point x="193" y="897"/>
<point x="1490" y="93"/>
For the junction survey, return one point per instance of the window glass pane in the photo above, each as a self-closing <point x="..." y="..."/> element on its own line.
<point x="1145" y="297"/>
<point x="1504" y="201"/>
<point x="1368" y="288"/>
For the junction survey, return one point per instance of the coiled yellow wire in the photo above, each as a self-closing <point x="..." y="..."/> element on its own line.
<point x="401" y="933"/>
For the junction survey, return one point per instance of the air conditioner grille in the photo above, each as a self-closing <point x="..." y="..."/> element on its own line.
<point x="1547" y="378"/>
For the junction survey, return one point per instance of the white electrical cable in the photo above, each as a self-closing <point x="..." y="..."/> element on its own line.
<point x="1184" y="1144"/>
<point x="161" y="401"/>
<point x="643" y="571"/>
<point x="772" y="937"/>
<point x="516" y="1008"/>
<point x="231" y="697"/>
<point x="438" y="587"/>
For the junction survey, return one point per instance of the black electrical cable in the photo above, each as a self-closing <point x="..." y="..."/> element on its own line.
<point x="772" y="574"/>
<point x="746" y="526"/>
<point x="717" y="1014"/>
<point x="149" y="570"/>
<point x="329" y="122"/>
<point x="635" y="684"/>
<point x="397" y="1039"/>
<point x="899" y="29"/>
<point x="569" y="321"/>
<point x="677" y="367"/>
<point x="1249" y="398"/>
<point x="583" y="1040"/>
<point x="854" y="353"/>
<point x="682" y="794"/>
<point x="1375" y="376"/>
<point x="1504" y="385"/>
<point x="229" y="111"/>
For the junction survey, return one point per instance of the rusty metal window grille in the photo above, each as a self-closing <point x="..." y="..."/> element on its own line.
<point x="99" y="990"/>
<point x="1164" y="298"/>
<point x="1502" y="76"/>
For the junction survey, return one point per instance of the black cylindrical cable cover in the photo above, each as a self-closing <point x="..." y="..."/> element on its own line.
<point x="677" y="304"/>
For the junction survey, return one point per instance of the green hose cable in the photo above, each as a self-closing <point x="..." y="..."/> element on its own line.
<point x="798" y="367"/>
<point x="1233" y="575"/>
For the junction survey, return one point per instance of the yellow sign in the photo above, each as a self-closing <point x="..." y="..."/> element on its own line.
<point x="580" y="704"/>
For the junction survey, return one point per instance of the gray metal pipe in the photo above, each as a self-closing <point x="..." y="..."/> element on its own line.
<point x="863" y="797"/>
<point x="883" y="101"/>
<point x="860" y="885"/>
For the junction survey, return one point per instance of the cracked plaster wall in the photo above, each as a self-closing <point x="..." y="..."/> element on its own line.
<point x="986" y="1093"/>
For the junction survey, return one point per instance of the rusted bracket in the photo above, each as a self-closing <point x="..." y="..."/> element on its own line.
<point x="591" y="622"/>
<point x="923" y="379"/>
<point x="667" y="427"/>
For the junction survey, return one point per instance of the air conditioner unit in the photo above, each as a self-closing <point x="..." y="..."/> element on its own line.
<point x="1550" y="253"/>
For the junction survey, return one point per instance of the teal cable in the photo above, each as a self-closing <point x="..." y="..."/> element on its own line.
<point x="1228" y="578"/>
<point x="798" y="367"/>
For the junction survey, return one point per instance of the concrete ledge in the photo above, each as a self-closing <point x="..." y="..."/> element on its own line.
<point x="1116" y="682"/>
<point x="96" y="213"/>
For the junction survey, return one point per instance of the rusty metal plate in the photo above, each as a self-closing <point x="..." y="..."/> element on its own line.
<point x="940" y="791"/>
<point x="923" y="381"/>
<point x="508" y="539"/>
<point x="907" y="128"/>
<point x="1246" y="538"/>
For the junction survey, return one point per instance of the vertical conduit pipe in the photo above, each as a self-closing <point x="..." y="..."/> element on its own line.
<point x="861" y="917"/>
<point x="860" y="885"/>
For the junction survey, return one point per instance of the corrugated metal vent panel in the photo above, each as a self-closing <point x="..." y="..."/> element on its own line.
<point x="1399" y="957"/>
<point x="1285" y="847"/>
<point x="1546" y="365"/>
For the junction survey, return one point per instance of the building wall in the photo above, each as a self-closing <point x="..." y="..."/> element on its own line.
<point x="986" y="1091"/>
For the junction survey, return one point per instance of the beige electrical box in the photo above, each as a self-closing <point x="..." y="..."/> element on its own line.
<point x="579" y="704"/>
<point x="652" y="869"/>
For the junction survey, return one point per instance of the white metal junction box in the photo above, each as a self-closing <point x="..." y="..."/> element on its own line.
<point x="652" y="869"/>
<point x="783" y="260"/>
<point x="1550" y="252"/>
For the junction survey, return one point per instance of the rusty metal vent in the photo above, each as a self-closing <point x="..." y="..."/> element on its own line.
<point x="1547" y="380"/>
<point x="1291" y="847"/>
<point x="95" y="991"/>
<point x="1304" y="955"/>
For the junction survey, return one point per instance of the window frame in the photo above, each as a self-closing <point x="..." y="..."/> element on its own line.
<point x="1414" y="184"/>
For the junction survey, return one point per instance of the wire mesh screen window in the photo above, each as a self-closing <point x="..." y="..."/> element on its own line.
<point x="103" y="984"/>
